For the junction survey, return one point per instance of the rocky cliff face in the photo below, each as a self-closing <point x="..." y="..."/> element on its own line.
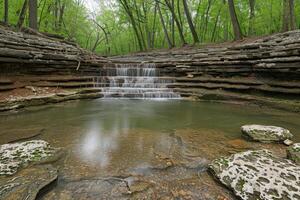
<point x="262" y="70"/>
<point x="38" y="54"/>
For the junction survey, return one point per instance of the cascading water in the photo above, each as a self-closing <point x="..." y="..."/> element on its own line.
<point x="136" y="81"/>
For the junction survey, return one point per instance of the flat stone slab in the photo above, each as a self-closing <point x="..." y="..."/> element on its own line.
<point x="27" y="183"/>
<point x="266" y="134"/>
<point x="293" y="153"/>
<point x="258" y="175"/>
<point x="16" y="155"/>
<point x="20" y="134"/>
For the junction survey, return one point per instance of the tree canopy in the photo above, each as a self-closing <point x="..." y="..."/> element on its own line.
<point x="123" y="26"/>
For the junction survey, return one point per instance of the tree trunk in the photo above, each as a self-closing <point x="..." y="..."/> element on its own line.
<point x="176" y="21"/>
<point x="252" y="16"/>
<point x="153" y="28"/>
<point x="41" y="14"/>
<point x="234" y="21"/>
<point x="22" y="14"/>
<point x="128" y="10"/>
<point x="173" y="24"/>
<point x="163" y="25"/>
<point x="204" y="25"/>
<point x="190" y="22"/>
<point x="6" y="11"/>
<point x="285" y="19"/>
<point x="61" y="15"/>
<point x="215" y="25"/>
<point x="292" y="15"/>
<point x="33" y="14"/>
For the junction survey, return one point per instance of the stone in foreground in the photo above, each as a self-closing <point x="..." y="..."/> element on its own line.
<point x="293" y="153"/>
<point x="27" y="183"/>
<point x="17" y="155"/>
<point x="258" y="175"/>
<point x="266" y="134"/>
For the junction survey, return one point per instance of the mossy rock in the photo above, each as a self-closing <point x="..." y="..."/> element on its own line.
<point x="258" y="175"/>
<point x="17" y="155"/>
<point x="293" y="153"/>
<point x="266" y="134"/>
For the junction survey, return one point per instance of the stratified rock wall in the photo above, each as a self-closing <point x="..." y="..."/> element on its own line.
<point x="37" y="54"/>
<point x="264" y="71"/>
<point x="264" y="68"/>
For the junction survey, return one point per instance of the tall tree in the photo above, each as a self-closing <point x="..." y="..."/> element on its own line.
<point x="289" y="18"/>
<point x="292" y="15"/>
<point x="163" y="24"/>
<point x="129" y="13"/>
<point x="33" y="23"/>
<point x="252" y="16"/>
<point x="6" y="11"/>
<point x="190" y="21"/>
<point x="22" y="14"/>
<point x="176" y="21"/>
<point x="234" y="20"/>
<point x="285" y="20"/>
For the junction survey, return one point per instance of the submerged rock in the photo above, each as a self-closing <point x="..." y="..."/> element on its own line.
<point x="28" y="183"/>
<point x="266" y="134"/>
<point x="17" y="155"/>
<point x="293" y="153"/>
<point x="258" y="175"/>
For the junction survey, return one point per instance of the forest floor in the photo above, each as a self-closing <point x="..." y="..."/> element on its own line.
<point x="188" y="47"/>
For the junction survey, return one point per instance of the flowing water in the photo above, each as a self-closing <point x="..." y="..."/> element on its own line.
<point x="140" y="81"/>
<point x="141" y="149"/>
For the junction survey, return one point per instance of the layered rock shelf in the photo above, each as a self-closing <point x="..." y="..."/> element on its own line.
<point x="263" y="71"/>
<point x="23" y="53"/>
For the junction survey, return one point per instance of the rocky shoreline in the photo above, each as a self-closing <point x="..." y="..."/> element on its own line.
<point x="39" y="100"/>
<point x="250" y="174"/>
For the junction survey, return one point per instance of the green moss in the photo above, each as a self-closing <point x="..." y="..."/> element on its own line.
<point x="240" y="185"/>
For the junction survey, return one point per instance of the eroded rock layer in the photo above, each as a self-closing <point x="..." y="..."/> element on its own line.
<point x="265" y="70"/>
<point x="23" y="53"/>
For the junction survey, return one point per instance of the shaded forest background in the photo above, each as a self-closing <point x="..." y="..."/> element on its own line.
<point x="123" y="26"/>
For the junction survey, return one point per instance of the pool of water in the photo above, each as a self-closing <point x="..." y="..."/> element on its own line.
<point x="135" y="149"/>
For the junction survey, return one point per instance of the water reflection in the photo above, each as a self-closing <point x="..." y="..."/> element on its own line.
<point x="102" y="138"/>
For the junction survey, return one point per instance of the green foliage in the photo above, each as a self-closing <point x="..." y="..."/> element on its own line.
<point x="110" y="31"/>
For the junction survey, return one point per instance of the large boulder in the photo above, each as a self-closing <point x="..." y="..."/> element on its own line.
<point x="266" y="134"/>
<point x="293" y="153"/>
<point x="17" y="155"/>
<point x="255" y="175"/>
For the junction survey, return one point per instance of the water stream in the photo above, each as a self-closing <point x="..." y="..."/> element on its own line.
<point x="136" y="81"/>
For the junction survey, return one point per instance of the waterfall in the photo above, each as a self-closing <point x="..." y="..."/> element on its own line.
<point x="138" y="81"/>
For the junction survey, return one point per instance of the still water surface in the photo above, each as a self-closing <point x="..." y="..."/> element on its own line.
<point x="161" y="148"/>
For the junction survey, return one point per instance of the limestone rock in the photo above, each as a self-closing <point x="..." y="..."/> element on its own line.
<point x="266" y="134"/>
<point x="17" y="155"/>
<point x="258" y="175"/>
<point x="27" y="183"/>
<point x="288" y="142"/>
<point x="293" y="153"/>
